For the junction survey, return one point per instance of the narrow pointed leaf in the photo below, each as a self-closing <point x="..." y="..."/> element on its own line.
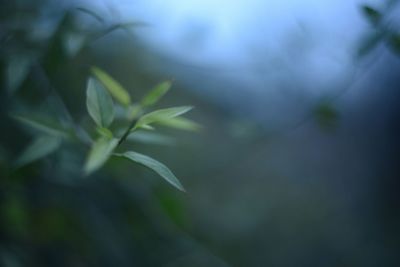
<point x="43" y="125"/>
<point x="146" y="127"/>
<point x="99" y="103"/>
<point x="99" y="154"/>
<point x="181" y="124"/>
<point x="16" y="72"/>
<point x="154" y="165"/>
<point x="373" y="15"/>
<point x="156" y="94"/>
<point x="115" y="89"/>
<point x="39" y="148"/>
<point x="162" y="115"/>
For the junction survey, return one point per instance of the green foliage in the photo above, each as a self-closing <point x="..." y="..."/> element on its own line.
<point x="99" y="104"/>
<point x="154" y="165"/>
<point x="161" y="115"/>
<point x="17" y="70"/>
<point x="181" y="123"/>
<point x="55" y="208"/>
<point x="43" y="125"/>
<point x="99" y="153"/>
<point x="39" y="148"/>
<point x="101" y="108"/>
<point x="156" y="94"/>
<point x="115" y="89"/>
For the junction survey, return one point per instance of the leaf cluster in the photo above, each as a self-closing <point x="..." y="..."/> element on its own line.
<point x="104" y="95"/>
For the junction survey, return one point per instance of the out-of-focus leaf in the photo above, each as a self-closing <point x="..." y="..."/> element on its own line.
<point x="115" y="89"/>
<point x="394" y="43"/>
<point x="134" y="111"/>
<point x="151" y="138"/>
<point x="73" y="42"/>
<point x="146" y="127"/>
<point x="39" y="148"/>
<point x="56" y="54"/>
<point x="369" y="43"/>
<point x="128" y="25"/>
<point x="156" y="94"/>
<point x="99" y="154"/>
<point x="43" y="125"/>
<point x="154" y="165"/>
<point x="104" y="132"/>
<point x="91" y="13"/>
<point x="326" y="115"/>
<point x="16" y="72"/>
<point x="181" y="123"/>
<point x="373" y="15"/>
<point x="123" y="26"/>
<point x="162" y="115"/>
<point x="99" y="103"/>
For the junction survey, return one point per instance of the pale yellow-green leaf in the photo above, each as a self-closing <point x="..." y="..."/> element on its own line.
<point x="99" y="103"/>
<point x="181" y="124"/>
<point x="114" y="87"/>
<point x="156" y="93"/>
<point x="162" y="115"/>
<point x="99" y="154"/>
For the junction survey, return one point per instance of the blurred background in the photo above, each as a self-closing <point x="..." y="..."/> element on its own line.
<point x="297" y="162"/>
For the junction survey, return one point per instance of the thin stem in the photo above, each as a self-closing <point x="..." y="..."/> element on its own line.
<point x="127" y="132"/>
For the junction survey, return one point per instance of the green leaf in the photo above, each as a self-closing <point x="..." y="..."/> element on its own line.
<point x="39" y="148"/>
<point x="115" y="89"/>
<point x="151" y="138"/>
<point x="16" y="72"/>
<point x="43" y="125"/>
<point x="91" y="13"/>
<point x="134" y="111"/>
<point x="99" y="103"/>
<point x="104" y="132"/>
<point x="162" y="115"/>
<point x="156" y="94"/>
<point x="373" y="15"/>
<point x="99" y="154"/>
<point x="146" y="127"/>
<point x="181" y="124"/>
<point x="154" y="165"/>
